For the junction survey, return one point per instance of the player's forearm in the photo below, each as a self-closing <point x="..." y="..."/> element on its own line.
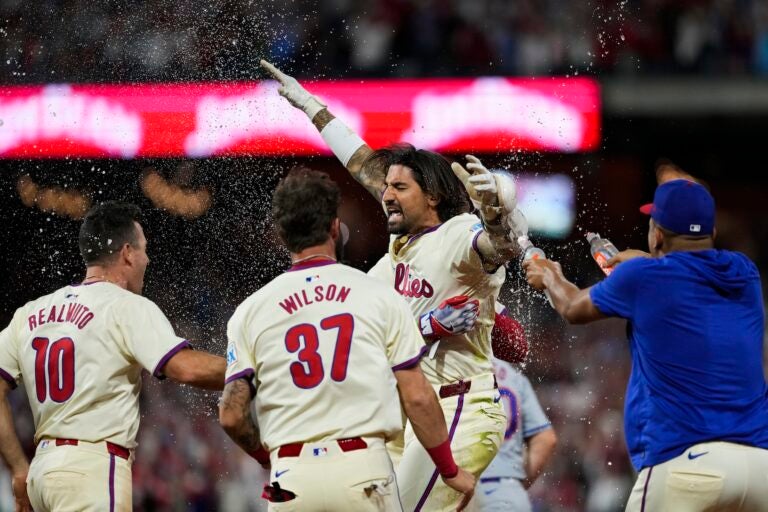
<point x="350" y="149"/>
<point x="10" y="447"/>
<point x="493" y="253"/>
<point x="197" y="368"/>
<point x="573" y="303"/>
<point x="540" y="450"/>
<point x="211" y="372"/>
<point x="235" y="416"/>
<point x="426" y="417"/>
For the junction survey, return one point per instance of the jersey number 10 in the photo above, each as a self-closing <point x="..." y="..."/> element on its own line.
<point x="54" y="369"/>
<point x="308" y="372"/>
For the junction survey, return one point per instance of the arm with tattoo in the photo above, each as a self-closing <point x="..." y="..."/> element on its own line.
<point x="235" y="417"/>
<point x="349" y="148"/>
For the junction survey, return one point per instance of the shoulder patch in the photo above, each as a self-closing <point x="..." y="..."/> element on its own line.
<point x="231" y="354"/>
<point x="476" y="227"/>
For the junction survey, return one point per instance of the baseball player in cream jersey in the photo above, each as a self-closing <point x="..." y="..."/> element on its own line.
<point x="324" y="349"/>
<point x="80" y="352"/>
<point x="437" y="252"/>
<point x="529" y="442"/>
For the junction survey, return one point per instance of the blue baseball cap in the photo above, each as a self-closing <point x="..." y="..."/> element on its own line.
<point x="683" y="207"/>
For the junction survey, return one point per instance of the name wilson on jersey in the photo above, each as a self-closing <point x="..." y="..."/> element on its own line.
<point x="331" y="293"/>
<point x="73" y="313"/>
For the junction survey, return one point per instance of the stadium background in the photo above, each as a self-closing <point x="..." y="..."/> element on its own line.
<point x="682" y="80"/>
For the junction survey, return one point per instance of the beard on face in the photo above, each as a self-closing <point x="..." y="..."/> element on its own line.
<point x="398" y="227"/>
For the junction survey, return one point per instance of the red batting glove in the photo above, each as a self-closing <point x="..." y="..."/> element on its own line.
<point x="453" y="316"/>
<point x="508" y="340"/>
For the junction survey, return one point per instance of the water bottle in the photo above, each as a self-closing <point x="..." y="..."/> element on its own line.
<point x="531" y="252"/>
<point x="602" y="250"/>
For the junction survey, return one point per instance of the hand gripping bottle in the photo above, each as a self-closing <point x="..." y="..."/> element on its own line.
<point x="602" y="250"/>
<point x="531" y="252"/>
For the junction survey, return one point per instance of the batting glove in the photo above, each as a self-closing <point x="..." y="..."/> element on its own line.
<point x="494" y="195"/>
<point x="294" y="92"/>
<point x="453" y="316"/>
<point x="508" y="340"/>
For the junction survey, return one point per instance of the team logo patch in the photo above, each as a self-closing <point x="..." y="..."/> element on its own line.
<point x="312" y="278"/>
<point x="476" y="227"/>
<point x="319" y="452"/>
<point x="231" y="354"/>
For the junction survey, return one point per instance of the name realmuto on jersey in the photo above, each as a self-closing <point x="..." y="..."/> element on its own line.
<point x="73" y="313"/>
<point x="408" y="287"/>
<point x="329" y="293"/>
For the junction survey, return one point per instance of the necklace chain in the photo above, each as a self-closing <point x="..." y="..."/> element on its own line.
<point x="311" y="257"/>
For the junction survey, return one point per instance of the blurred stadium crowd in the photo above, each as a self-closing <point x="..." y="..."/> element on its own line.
<point x="184" y="462"/>
<point x="151" y="40"/>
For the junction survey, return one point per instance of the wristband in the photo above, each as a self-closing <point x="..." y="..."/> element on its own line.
<point x="341" y="140"/>
<point x="261" y="455"/>
<point x="312" y="106"/>
<point x="443" y="458"/>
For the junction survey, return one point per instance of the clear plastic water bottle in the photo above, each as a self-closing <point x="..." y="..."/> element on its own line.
<point x="531" y="252"/>
<point x="602" y="250"/>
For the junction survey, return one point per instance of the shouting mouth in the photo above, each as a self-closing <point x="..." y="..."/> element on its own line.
<point x="394" y="214"/>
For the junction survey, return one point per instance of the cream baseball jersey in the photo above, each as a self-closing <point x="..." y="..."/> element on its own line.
<point x="319" y="345"/>
<point x="79" y="352"/>
<point x="438" y="264"/>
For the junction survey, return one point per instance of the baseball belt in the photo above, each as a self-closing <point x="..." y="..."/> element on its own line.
<point x="346" y="445"/>
<point x="459" y="388"/>
<point x="112" y="448"/>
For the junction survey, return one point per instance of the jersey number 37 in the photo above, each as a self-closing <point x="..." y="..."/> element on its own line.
<point x="304" y="339"/>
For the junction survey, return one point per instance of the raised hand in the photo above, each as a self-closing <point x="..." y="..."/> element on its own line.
<point x="293" y="91"/>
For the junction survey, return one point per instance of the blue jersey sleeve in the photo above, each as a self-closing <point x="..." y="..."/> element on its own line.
<point x="616" y="294"/>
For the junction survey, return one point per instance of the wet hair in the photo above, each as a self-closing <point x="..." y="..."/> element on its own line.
<point x="107" y="227"/>
<point x="431" y="171"/>
<point x="304" y="205"/>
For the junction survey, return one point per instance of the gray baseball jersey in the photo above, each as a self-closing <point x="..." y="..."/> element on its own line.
<point x="525" y="418"/>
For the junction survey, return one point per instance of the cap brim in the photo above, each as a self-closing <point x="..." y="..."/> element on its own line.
<point x="647" y="208"/>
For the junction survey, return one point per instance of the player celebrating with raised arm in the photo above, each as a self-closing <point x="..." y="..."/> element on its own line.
<point x="323" y="351"/>
<point x="438" y="251"/>
<point x="696" y="409"/>
<point x="80" y="352"/>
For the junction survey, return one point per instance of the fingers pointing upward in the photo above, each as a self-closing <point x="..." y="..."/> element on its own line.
<point x="272" y="70"/>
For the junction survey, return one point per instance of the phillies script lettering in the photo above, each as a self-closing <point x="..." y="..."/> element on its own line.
<point x="408" y="287"/>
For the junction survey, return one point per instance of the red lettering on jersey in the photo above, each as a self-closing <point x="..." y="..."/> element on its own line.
<point x="307" y="300"/>
<point x="40" y="315"/>
<point x="289" y="305"/>
<point x="32" y="322"/>
<point x="87" y="318"/>
<point x="343" y="294"/>
<point x="61" y="314"/>
<point x="52" y="315"/>
<point x="411" y="288"/>
<point x="319" y="293"/>
<point x="72" y="311"/>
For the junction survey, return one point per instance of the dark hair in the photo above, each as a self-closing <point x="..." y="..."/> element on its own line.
<point x="431" y="171"/>
<point x="106" y="228"/>
<point x="304" y="205"/>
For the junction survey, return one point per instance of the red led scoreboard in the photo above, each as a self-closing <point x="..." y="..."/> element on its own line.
<point x="250" y="118"/>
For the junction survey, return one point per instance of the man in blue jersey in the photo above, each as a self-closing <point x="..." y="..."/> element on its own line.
<point x="696" y="410"/>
